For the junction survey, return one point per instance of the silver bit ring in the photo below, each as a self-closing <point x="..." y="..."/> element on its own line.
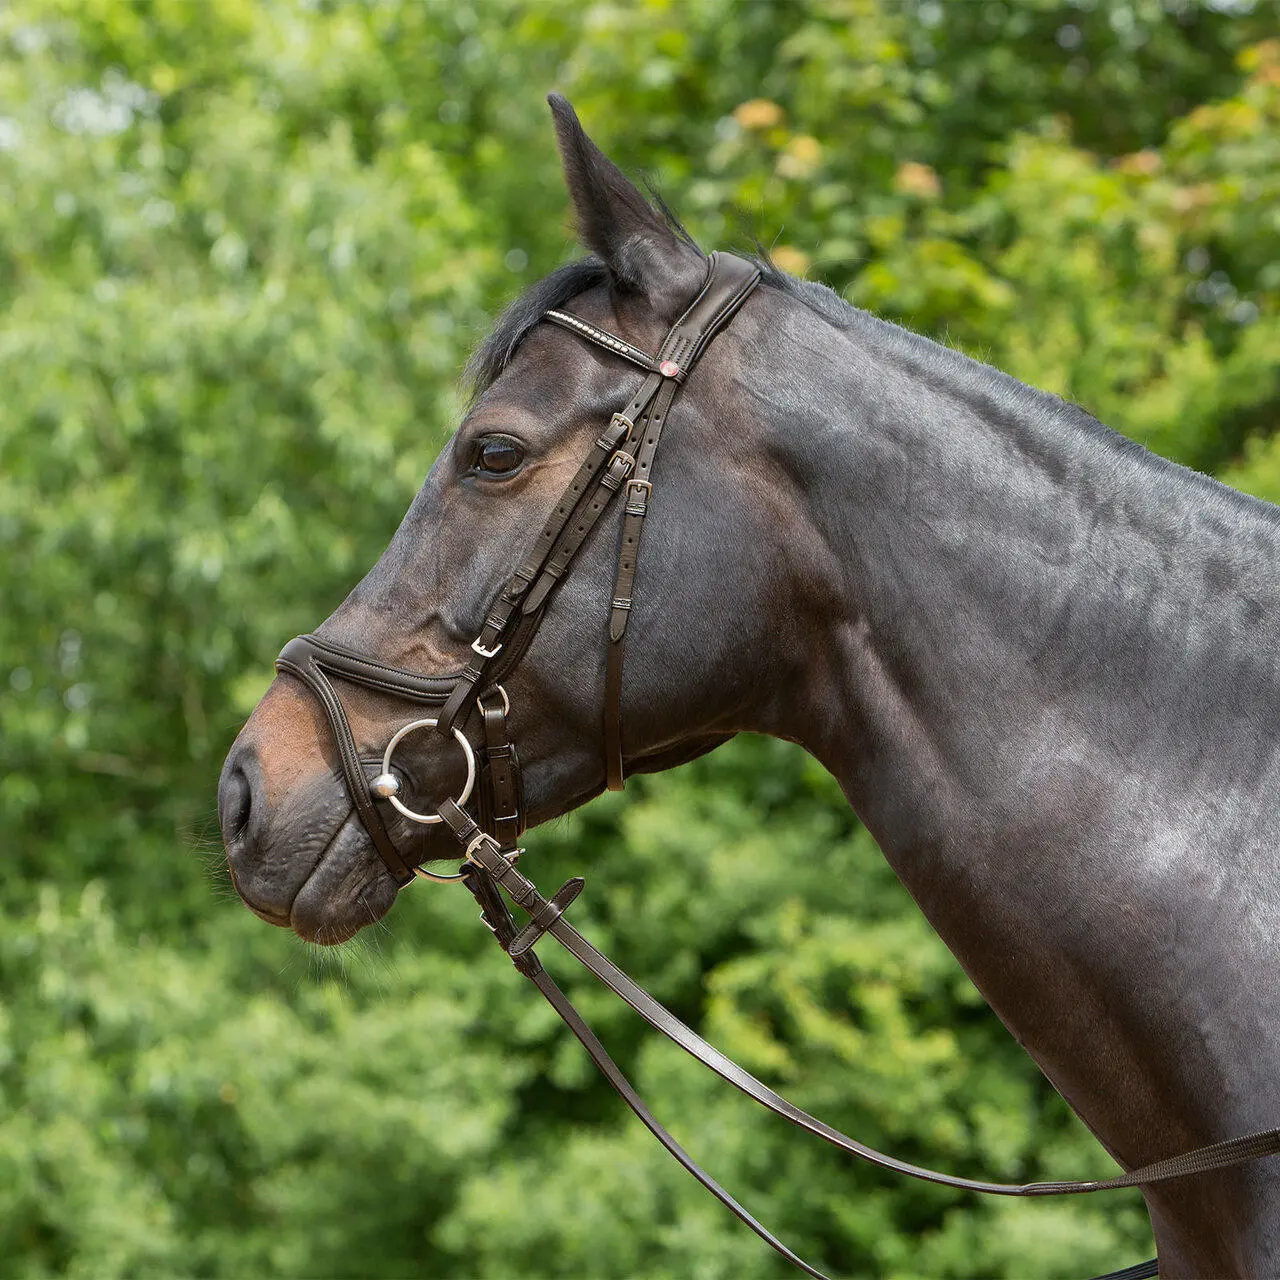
<point x="387" y="785"/>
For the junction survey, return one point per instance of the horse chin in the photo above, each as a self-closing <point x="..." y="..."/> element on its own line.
<point x="346" y="888"/>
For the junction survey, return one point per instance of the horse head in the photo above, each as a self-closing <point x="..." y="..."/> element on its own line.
<point x="709" y="627"/>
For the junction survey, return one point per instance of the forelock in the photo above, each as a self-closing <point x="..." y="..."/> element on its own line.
<point x="495" y="353"/>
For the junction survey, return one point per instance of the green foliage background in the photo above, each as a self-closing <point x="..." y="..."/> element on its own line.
<point x="244" y="249"/>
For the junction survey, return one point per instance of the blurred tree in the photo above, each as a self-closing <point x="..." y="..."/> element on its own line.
<point x="244" y="249"/>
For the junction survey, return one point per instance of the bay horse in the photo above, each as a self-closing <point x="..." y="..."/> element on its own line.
<point x="1043" y="664"/>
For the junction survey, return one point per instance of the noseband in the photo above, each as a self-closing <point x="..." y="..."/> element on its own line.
<point x="620" y="461"/>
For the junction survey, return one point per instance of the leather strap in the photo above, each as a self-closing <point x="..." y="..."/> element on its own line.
<point x="483" y="853"/>
<point x="556" y="998"/>
<point x="497" y="919"/>
<point x="602" y="338"/>
<point x="614" y="775"/>
<point x="576" y="531"/>
<point x="639" y="487"/>
<point x="1139" y="1271"/>
<point x="543" y="917"/>
<point x="305" y="659"/>
<point x="311" y="650"/>
<point x="730" y="281"/>
<point x="501" y="798"/>
<point x="624" y="454"/>
<point x="548" y="546"/>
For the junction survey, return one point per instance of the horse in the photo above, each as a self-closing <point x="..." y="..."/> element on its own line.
<point x="1041" y="662"/>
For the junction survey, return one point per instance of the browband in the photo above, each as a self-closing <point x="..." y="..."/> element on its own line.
<point x="602" y="338"/>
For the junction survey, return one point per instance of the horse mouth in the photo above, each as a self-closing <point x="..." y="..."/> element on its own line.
<point x="269" y="914"/>
<point x="345" y="889"/>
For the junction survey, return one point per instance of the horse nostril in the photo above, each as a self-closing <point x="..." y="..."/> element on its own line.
<point x="235" y="803"/>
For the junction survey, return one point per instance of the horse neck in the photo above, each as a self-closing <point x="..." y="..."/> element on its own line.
<point x="1043" y="671"/>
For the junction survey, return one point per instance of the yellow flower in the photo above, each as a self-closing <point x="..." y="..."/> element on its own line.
<point x="916" y="179"/>
<point x="791" y="260"/>
<point x="799" y="157"/>
<point x="1143" y="163"/>
<point x="759" y="113"/>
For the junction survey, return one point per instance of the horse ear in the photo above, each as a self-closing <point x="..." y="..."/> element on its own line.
<point x="644" y="251"/>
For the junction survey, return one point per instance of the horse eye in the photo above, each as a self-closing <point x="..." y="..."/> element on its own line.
<point x="499" y="457"/>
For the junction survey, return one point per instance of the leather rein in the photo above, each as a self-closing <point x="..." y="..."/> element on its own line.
<point x="621" y="461"/>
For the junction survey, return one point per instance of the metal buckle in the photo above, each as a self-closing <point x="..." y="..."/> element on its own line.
<point x="634" y="507"/>
<point x="447" y="877"/>
<point x="501" y="692"/>
<point x="617" y="470"/>
<point x="486" y="654"/>
<point x="478" y="839"/>
<point x="474" y="843"/>
<point x="618" y="420"/>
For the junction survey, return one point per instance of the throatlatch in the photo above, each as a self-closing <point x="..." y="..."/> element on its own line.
<point x="621" y="461"/>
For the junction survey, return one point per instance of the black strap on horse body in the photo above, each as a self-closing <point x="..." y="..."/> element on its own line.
<point x="621" y="461"/>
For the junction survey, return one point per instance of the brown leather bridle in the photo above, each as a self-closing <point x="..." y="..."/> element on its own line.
<point x="621" y="461"/>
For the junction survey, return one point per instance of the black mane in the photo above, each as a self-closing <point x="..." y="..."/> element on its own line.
<point x="493" y="355"/>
